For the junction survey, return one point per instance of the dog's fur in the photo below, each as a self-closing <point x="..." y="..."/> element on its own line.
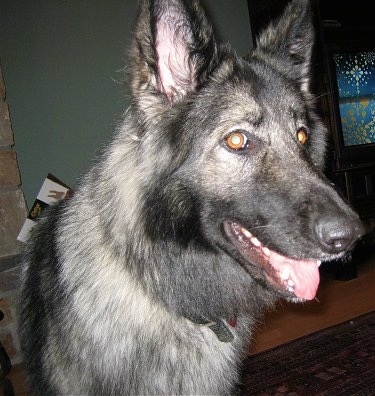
<point x="145" y="281"/>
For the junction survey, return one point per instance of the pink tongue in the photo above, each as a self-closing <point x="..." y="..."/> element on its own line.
<point x="302" y="275"/>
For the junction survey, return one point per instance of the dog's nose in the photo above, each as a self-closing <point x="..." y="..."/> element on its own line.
<point x="336" y="234"/>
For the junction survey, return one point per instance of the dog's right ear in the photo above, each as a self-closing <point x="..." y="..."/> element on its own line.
<point x="288" y="42"/>
<point x="172" y="54"/>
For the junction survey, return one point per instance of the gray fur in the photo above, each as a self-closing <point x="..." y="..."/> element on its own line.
<point x="120" y="280"/>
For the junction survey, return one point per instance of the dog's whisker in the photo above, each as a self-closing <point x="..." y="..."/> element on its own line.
<point x="264" y="226"/>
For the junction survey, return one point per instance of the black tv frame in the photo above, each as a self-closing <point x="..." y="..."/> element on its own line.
<point x="348" y="41"/>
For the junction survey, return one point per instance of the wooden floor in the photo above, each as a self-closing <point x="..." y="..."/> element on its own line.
<point x="337" y="301"/>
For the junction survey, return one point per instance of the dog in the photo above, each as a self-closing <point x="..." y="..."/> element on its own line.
<point x="208" y="206"/>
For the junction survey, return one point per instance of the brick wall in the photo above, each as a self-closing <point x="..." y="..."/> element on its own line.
<point x="13" y="212"/>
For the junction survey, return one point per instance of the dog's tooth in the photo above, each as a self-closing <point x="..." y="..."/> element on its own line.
<point x="318" y="262"/>
<point x="255" y="242"/>
<point x="291" y="283"/>
<point x="284" y="275"/>
<point x="246" y="232"/>
<point x="266" y="251"/>
<point x="290" y="286"/>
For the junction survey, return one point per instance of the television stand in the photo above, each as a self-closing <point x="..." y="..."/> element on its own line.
<point x="357" y="183"/>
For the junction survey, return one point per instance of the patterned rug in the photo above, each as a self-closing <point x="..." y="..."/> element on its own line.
<point x="339" y="360"/>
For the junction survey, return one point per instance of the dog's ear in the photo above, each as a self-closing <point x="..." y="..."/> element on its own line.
<point x="288" y="42"/>
<point x="173" y="51"/>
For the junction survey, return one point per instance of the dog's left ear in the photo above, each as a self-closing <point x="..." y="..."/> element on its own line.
<point x="173" y="52"/>
<point x="289" y="42"/>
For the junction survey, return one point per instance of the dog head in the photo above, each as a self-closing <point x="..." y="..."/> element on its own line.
<point x="239" y="147"/>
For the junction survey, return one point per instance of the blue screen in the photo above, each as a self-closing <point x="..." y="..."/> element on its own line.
<point x="355" y="73"/>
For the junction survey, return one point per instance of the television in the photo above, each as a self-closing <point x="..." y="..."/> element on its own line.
<point x="349" y="103"/>
<point x="351" y="98"/>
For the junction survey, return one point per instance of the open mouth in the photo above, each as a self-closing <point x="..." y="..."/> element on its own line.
<point x="298" y="278"/>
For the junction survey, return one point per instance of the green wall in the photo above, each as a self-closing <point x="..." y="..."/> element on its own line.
<point x="62" y="63"/>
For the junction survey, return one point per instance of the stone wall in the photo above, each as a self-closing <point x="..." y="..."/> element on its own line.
<point x="13" y="212"/>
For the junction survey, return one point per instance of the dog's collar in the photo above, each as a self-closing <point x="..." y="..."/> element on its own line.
<point x="221" y="328"/>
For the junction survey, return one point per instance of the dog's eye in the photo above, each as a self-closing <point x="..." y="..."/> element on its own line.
<point x="302" y="136"/>
<point x="236" y="140"/>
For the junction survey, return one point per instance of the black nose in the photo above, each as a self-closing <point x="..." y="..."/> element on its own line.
<point x="336" y="234"/>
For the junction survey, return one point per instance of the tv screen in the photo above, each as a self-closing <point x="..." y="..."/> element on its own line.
<point x="355" y="74"/>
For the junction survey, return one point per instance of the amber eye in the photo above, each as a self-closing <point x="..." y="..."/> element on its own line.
<point x="302" y="136"/>
<point x="236" y="140"/>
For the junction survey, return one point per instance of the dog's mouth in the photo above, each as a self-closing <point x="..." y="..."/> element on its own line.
<point x="297" y="278"/>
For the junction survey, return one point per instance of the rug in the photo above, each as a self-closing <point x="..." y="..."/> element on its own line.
<point x="336" y="361"/>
